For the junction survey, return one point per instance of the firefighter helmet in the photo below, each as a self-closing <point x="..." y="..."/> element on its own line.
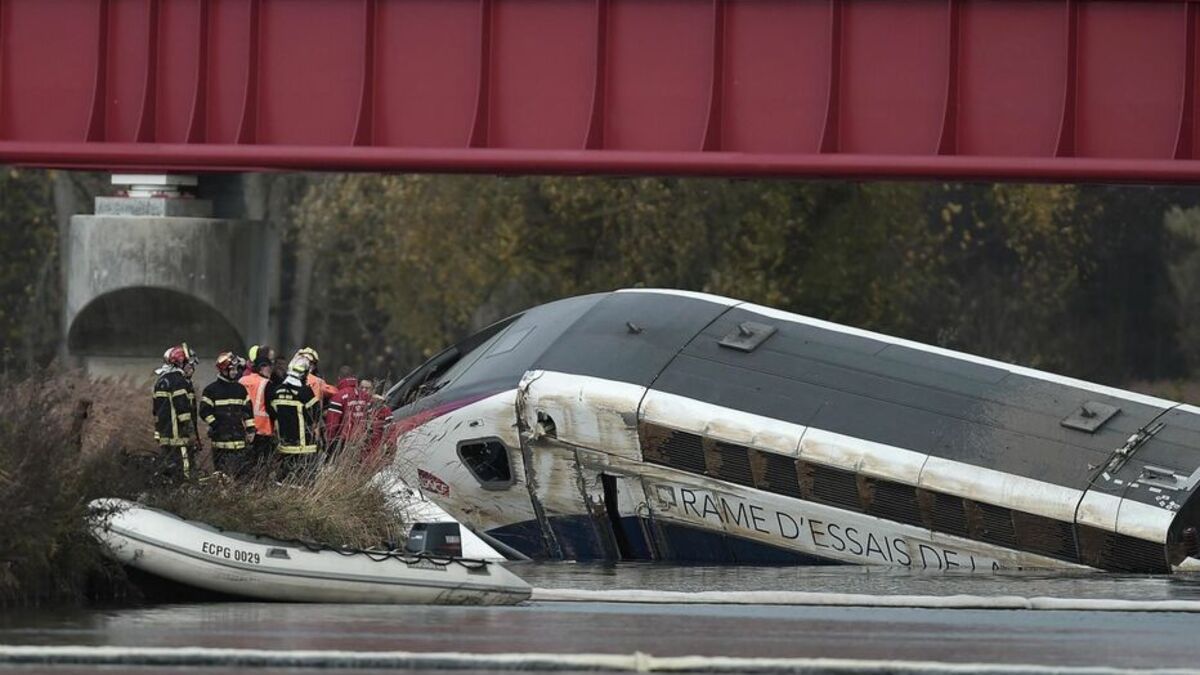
<point x="309" y="353"/>
<point x="230" y="365"/>
<point x="261" y="355"/>
<point x="299" y="366"/>
<point x="179" y="356"/>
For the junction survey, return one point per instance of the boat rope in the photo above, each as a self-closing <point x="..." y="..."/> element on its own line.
<point x="381" y="555"/>
<point x="374" y="554"/>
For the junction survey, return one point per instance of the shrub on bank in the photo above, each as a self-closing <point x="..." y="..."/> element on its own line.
<point x="337" y="503"/>
<point x="66" y="440"/>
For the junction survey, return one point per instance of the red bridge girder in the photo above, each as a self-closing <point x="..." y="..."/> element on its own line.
<point x="1055" y="89"/>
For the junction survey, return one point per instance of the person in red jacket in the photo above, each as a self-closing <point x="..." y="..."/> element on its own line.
<point x="341" y="409"/>
<point x="380" y="418"/>
<point x="355" y="417"/>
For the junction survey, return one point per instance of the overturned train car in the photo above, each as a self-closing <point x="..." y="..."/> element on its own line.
<point x="666" y="425"/>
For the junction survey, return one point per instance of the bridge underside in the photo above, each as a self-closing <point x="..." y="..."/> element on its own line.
<point x="1010" y="89"/>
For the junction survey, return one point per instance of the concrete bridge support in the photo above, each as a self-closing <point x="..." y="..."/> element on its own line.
<point x="154" y="269"/>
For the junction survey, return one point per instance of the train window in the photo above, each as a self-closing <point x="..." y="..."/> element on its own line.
<point x="487" y="460"/>
<point x="436" y="372"/>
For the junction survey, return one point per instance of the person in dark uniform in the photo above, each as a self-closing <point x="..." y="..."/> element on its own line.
<point x="226" y="408"/>
<point x="294" y="410"/>
<point x="279" y="368"/>
<point x="174" y="412"/>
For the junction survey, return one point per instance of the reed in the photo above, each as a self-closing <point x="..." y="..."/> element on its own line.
<point x="66" y="439"/>
<point x="338" y="502"/>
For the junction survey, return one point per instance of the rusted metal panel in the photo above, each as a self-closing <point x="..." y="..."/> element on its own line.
<point x="723" y="424"/>
<point x="587" y="412"/>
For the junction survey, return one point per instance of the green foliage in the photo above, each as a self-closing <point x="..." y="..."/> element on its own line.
<point x="1183" y="227"/>
<point x="1056" y="276"/>
<point x="411" y="263"/>
<point x="1008" y="264"/>
<point x="1085" y="280"/>
<point x="29" y="275"/>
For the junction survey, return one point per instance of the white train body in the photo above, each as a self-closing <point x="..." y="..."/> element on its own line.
<point x="662" y="425"/>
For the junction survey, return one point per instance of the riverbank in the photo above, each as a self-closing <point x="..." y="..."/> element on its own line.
<point x="66" y="440"/>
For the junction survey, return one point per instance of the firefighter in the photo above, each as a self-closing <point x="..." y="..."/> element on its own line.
<point x="322" y="389"/>
<point x="253" y="355"/>
<point x="175" y="414"/>
<point x="226" y="408"/>
<point x="294" y="411"/>
<point x="258" y="385"/>
<point x="279" y="366"/>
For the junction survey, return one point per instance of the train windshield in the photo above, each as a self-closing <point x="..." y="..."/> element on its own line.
<point x="442" y="368"/>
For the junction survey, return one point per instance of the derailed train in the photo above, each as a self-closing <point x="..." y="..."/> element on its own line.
<point x="669" y="425"/>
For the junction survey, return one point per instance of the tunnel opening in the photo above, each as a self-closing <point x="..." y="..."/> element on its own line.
<point x="140" y="323"/>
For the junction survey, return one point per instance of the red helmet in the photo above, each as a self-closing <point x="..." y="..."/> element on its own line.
<point x="179" y="356"/>
<point x="230" y="365"/>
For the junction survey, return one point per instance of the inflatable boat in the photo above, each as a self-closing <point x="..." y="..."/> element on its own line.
<point x="246" y="565"/>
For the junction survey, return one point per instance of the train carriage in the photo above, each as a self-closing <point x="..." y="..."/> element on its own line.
<point x="668" y="425"/>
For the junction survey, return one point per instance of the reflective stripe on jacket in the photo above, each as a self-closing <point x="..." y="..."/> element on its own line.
<point x="174" y="409"/>
<point x="294" y="410"/>
<point x="225" y="407"/>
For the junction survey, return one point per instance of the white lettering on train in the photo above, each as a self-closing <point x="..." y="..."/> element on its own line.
<point x="842" y="539"/>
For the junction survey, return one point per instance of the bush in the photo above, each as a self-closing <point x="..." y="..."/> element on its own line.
<point x="45" y="483"/>
<point x="66" y="439"/>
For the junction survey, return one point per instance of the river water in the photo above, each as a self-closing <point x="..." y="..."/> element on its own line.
<point x="862" y="580"/>
<point x="1043" y="637"/>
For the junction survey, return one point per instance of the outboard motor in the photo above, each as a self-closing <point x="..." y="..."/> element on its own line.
<point x="440" y="539"/>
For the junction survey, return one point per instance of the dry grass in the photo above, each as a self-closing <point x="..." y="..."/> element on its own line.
<point x="45" y="483"/>
<point x="337" y="503"/>
<point x="65" y="440"/>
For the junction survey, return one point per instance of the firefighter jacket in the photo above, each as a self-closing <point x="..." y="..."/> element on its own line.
<point x="225" y="408"/>
<point x="174" y="409"/>
<point x="294" y="411"/>
<point x="256" y="388"/>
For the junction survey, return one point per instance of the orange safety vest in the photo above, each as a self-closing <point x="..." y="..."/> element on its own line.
<point x="256" y="389"/>
<point x="320" y="388"/>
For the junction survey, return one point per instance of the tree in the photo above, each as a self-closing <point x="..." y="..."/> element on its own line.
<point x="30" y="294"/>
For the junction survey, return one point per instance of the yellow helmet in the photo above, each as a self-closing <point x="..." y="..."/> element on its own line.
<point x="309" y="353"/>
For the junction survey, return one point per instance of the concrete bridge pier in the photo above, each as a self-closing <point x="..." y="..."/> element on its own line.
<point x="153" y="267"/>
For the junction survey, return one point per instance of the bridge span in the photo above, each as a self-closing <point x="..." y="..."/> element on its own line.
<point x="994" y="89"/>
<point x="957" y="89"/>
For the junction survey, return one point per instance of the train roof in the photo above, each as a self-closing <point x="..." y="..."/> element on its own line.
<point x="870" y="386"/>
